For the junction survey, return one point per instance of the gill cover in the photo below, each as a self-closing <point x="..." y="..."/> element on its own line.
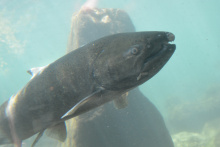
<point x="116" y="69"/>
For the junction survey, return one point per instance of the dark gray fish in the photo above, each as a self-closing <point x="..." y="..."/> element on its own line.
<point x="86" y="78"/>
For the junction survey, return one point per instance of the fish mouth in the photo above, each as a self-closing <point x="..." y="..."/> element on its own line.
<point x="170" y="36"/>
<point x="158" y="59"/>
<point x="164" y="45"/>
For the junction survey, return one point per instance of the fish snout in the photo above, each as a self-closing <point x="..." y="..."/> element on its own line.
<point x="170" y="36"/>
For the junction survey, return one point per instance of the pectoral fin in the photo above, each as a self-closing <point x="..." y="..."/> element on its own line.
<point x="121" y="102"/>
<point x="37" y="138"/>
<point x="57" y="132"/>
<point x="89" y="98"/>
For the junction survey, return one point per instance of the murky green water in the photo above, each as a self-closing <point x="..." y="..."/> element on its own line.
<point x="35" y="33"/>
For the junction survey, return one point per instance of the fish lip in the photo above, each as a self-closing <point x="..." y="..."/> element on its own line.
<point x="170" y="36"/>
<point x="166" y="50"/>
<point x="163" y="54"/>
<point x="167" y="40"/>
<point x="166" y="46"/>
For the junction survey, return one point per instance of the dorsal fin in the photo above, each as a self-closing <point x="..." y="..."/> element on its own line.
<point x="36" y="70"/>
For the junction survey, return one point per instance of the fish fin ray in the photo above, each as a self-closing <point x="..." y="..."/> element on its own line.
<point x="91" y="97"/>
<point x="37" y="138"/>
<point x="121" y="102"/>
<point x="36" y="70"/>
<point x="57" y="132"/>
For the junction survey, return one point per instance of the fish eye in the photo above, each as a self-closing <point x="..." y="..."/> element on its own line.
<point x="134" y="50"/>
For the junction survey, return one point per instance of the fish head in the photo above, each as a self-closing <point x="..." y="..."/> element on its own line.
<point x="130" y="59"/>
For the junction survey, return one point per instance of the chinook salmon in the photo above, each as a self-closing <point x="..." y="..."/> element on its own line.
<point x="96" y="73"/>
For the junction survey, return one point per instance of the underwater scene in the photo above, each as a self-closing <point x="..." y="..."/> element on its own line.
<point x="99" y="73"/>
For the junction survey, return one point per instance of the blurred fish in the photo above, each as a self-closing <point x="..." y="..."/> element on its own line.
<point x="88" y="77"/>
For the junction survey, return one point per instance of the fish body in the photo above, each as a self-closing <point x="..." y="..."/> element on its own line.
<point x="88" y="77"/>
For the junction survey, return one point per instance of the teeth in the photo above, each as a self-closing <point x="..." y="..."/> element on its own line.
<point x="141" y="74"/>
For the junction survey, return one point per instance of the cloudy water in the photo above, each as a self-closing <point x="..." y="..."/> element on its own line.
<point x="35" y="33"/>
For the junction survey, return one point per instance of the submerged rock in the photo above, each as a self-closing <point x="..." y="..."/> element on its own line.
<point x="192" y="116"/>
<point x="140" y="123"/>
<point x="209" y="136"/>
<point x="189" y="139"/>
<point x="91" y="24"/>
<point x="212" y="131"/>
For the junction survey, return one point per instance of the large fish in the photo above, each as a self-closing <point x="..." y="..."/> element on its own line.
<point x="86" y="78"/>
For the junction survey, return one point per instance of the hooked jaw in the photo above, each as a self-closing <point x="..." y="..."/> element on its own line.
<point x="167" y="46"/>
<point x="156" y="61"/>
<point x="170" y="36"/>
